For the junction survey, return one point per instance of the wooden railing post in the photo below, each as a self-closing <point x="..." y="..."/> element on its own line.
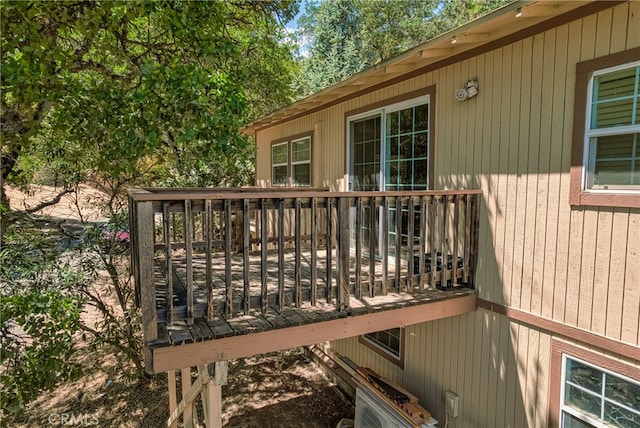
<point x="342" y="296"/>
<point x="144" y="274"/>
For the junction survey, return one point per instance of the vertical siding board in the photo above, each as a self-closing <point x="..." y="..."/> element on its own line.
<point x="541" y="136"/>
<point x="530" y="290"/>
<point x="517" y="274"/>
<point x="497" y="195"/>
<point x="460" y="369"/>
<point x="631" y="301"/>
<point x="531" y="393"/>
<point x="619" y="27"/>
<point x="503" y="401"/>
<point x="633" y="31"/>
<point x="512" y="172"/>
<point x="486" y="263"/>
<point x="572" y="296"/>
<point x="553" y="164"/>
<point x="521" y="348"/>
<point x="601" y="270"/>
<point x="491" y="368"/>
<point x="504" y="232"/>
<point x="511" y="377"/>
<point x="617" y="263"/>
<point x="589" y="235"/>
<point x="587" y="47"/>
<point x="603" y="32"/>
<point x="568" y="37"/>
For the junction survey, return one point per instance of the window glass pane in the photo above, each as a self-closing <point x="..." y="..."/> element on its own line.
<point x="422" y="118"/>
<point x="584" y="376"/>
<point x="420" y="174"/>
<point x="615" y="160"/>
<point x="406" y="147"/>
<point x="420" y="145"/>
<point x="583" y="401"/>
<point x="570" y="421"/>
<point x="613" y="113"/>
<point x="617" y="416"/>
<point x="615" y="85"/>
<point x="622" y="391"/>
<point x="614" y="99"/>
<point x="279" y="154"/>
<point x="279" y="175"/>
<point x="388" y="340"/>
<point x="301" y="150"/>
<point x="406" y="121"/>
<point x="301" y="174"/>
<point x="393" y="123"/>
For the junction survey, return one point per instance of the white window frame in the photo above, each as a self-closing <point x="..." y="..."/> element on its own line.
<point x="588" y="161"/>
<point x="576" y="413"/>
<point x="382" y="112"/>
<point x="293" y="164"/>
<point x="274" y="165"/>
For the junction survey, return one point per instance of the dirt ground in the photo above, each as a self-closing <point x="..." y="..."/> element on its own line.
<point x="283" y="389"/>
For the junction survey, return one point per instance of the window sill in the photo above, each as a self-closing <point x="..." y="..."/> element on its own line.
<point x="603" y="199"/>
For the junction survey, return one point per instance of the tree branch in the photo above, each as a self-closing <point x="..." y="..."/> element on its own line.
<point x="46" y="204"/>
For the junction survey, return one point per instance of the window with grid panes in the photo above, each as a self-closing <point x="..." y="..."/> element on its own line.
<point x="389" y="341"/>
<point x="291" y="163"/>
<point x="613" y="130"/>
<point x="595" y="397"/>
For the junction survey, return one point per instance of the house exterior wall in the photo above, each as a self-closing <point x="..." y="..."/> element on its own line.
<point x="577" y="266"/>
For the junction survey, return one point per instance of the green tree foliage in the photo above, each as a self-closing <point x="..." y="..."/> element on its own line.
<point x="116" y="94"/>
<point x="40" y="305"/>
<point x="344" y="37"/>
<point x="137" y="89"/>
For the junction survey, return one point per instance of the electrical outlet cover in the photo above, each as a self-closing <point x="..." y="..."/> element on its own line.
<point x="451" y="400"/>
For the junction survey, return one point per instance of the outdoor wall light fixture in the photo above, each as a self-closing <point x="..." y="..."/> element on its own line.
<point x="519" y="12"/>
<point x="469" y="90"/>
<point x="454" y="40"/>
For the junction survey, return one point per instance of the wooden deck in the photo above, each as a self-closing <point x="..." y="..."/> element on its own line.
<point x="222" y="274"/>
<point x="203" y="328"/>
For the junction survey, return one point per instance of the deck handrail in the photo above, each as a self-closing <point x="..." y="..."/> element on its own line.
<point x="405" y="241"/>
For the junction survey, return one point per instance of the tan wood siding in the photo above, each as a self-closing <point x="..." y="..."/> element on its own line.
<point x="513" y="140"/>
<point x="577" y="266"/>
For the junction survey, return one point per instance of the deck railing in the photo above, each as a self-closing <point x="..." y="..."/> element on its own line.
<point x="232" y="251"/>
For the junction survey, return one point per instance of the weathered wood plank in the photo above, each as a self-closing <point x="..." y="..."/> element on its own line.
<point x="372" y="246"/>
<point x="358" y="233"/>
<point x="456" y="237"/>
<point x="188" y="239"/>
<point x="329" y="280"/>
<point x="168" y="254"/>
<point x="145" y="279"/>
<point x="297" y="295"/>
<point x="227" y="259"/>
<point x="384" y="247"/>
<point x="246" y="297"/>
<point x="264" y="272"/>
<point x="314" y="251"/>
<point x="410" y="243"/>
<point x="208" y="223"/>
<point x="281" y="264"/>
<point x="423" y="241"/>
<point x="398" y="243"/>
<point x="343" y="293"/>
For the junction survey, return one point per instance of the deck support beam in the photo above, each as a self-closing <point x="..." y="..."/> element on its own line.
<point x="199" y="353"/>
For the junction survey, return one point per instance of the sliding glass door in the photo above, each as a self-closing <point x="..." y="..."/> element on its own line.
<point x="388" y="151"/>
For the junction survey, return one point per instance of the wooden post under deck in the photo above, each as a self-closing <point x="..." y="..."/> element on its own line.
<point x="208" y="386"/>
